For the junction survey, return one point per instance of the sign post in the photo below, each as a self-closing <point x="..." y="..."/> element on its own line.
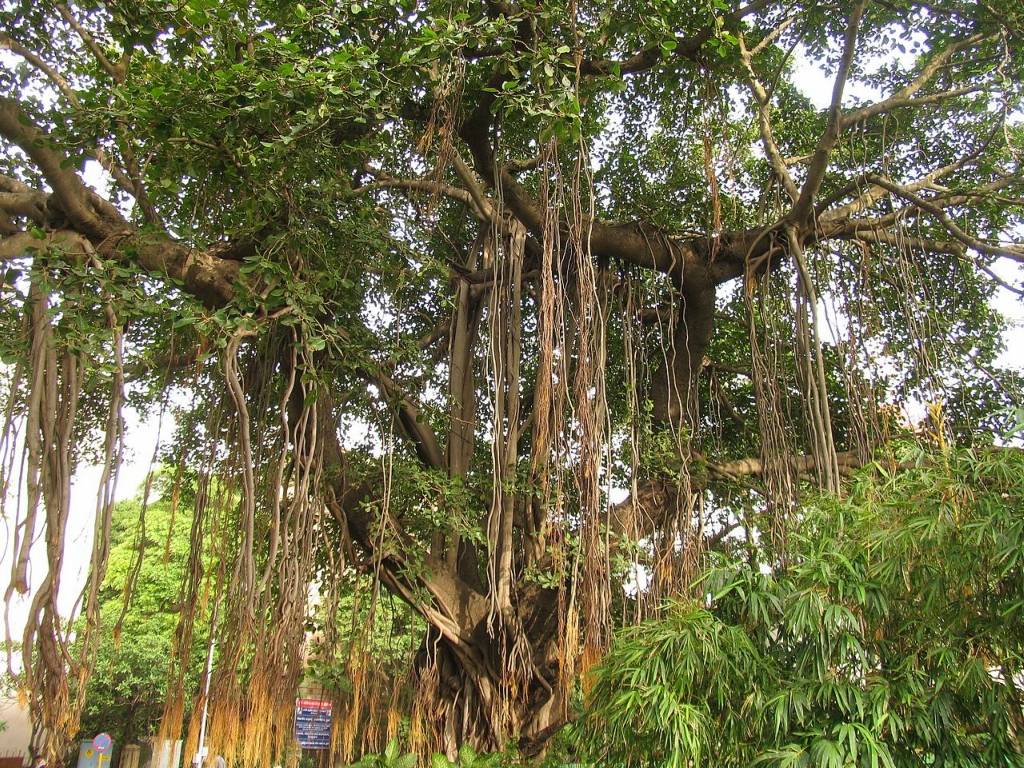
<point x="96" y="753"/>
<point x="102" y="743"/>
<point x="313" y="720"/>
<point x="201" y="750"/>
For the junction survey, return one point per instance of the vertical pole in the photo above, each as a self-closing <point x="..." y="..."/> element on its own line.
<point x="200" y="751"/>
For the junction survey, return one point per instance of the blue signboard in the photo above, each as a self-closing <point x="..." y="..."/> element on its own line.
<point x="313" y="720"/>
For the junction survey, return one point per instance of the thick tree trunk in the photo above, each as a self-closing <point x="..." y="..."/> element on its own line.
<point x="673" y="382"/>
<point x="498" y="687"/>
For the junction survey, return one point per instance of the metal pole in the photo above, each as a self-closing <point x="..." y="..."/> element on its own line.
<point x="198" y="759"/>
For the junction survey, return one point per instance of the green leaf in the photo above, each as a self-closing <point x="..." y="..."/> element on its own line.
<point x="467" y="756"/>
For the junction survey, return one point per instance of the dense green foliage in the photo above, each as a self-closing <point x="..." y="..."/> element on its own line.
<point x="895" y="637"/>
<point x="528" y="314"/>
<point x="125" y="696"/>
<point x="392" y="757"/>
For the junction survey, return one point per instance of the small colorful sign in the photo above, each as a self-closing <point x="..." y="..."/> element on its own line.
<point x="96" y="753"/>
<point x="313" y="721"/>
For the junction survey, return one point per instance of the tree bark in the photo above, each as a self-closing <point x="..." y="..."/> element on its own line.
<point x="673" y="382"/>
<point x="479" y="699"/>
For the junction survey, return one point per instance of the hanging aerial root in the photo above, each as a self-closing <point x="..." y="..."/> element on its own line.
<point x="767" y="376"/>
<point x="55" y="677"/>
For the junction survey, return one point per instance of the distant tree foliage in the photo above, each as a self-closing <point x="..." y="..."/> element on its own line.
<point x="125" y="694"/>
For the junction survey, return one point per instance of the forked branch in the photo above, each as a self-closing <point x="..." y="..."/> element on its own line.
<point x="905" y="96"/>
<point x="823" y="153"/>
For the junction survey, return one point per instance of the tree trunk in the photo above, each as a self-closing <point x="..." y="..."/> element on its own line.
<point x="498" y="687"/>
<point x="673" y="382"/>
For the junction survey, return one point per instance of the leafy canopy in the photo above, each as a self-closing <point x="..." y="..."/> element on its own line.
<point x="500" y="304"/>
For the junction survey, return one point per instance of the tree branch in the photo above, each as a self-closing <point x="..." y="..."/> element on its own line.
<point x="31" y="205"/>
<point x="132" y="185"/>
<point x="116" y="71"/>
<point x="863" y="232"/>
<point x="731" y="470"/>
<point x="1011" y="252"/>
<point x="12" y="45"/>
<point x="903" y="97"/>
<point x="479" y="198"/>
<point x="428" y="449"/>
<point x="130" y="182"/>
<point x="819" y="163"/>
<point x="764" y="124"/>
<point x="22" y="243"/>
<point x="889" y="105"/>
<point x="422" y="185"/>
<point x="874" y="193"/>
<point x="80" y="204"/>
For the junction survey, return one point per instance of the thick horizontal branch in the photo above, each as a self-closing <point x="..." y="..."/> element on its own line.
<point x="208" y="275"/>
<point x="868" y="194"/>
<point x="756" y="466"/>
<point x="21" y="244"/>
<point x="712" y="366"/>
<point x="865" y="232"/>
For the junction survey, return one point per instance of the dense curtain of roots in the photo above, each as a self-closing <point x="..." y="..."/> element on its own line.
<point x="259" y="506"/>
<point x="41" y="430"/>
<point x="555" y="330"/>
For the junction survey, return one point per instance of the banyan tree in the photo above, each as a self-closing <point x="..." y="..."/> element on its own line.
<point x="513" y="311"/>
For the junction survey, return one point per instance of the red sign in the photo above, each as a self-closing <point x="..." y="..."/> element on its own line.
<point x="102" y="742"/>
<point x="313" y="704"/>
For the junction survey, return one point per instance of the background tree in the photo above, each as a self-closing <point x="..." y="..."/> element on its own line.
<point x="508" y="306"/>
<point x="149" y="553"/>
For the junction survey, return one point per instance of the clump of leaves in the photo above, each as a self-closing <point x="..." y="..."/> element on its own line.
<point x="392" y="757"/>
<point x="468" y="758"/>
<point x="893" y="639"/>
